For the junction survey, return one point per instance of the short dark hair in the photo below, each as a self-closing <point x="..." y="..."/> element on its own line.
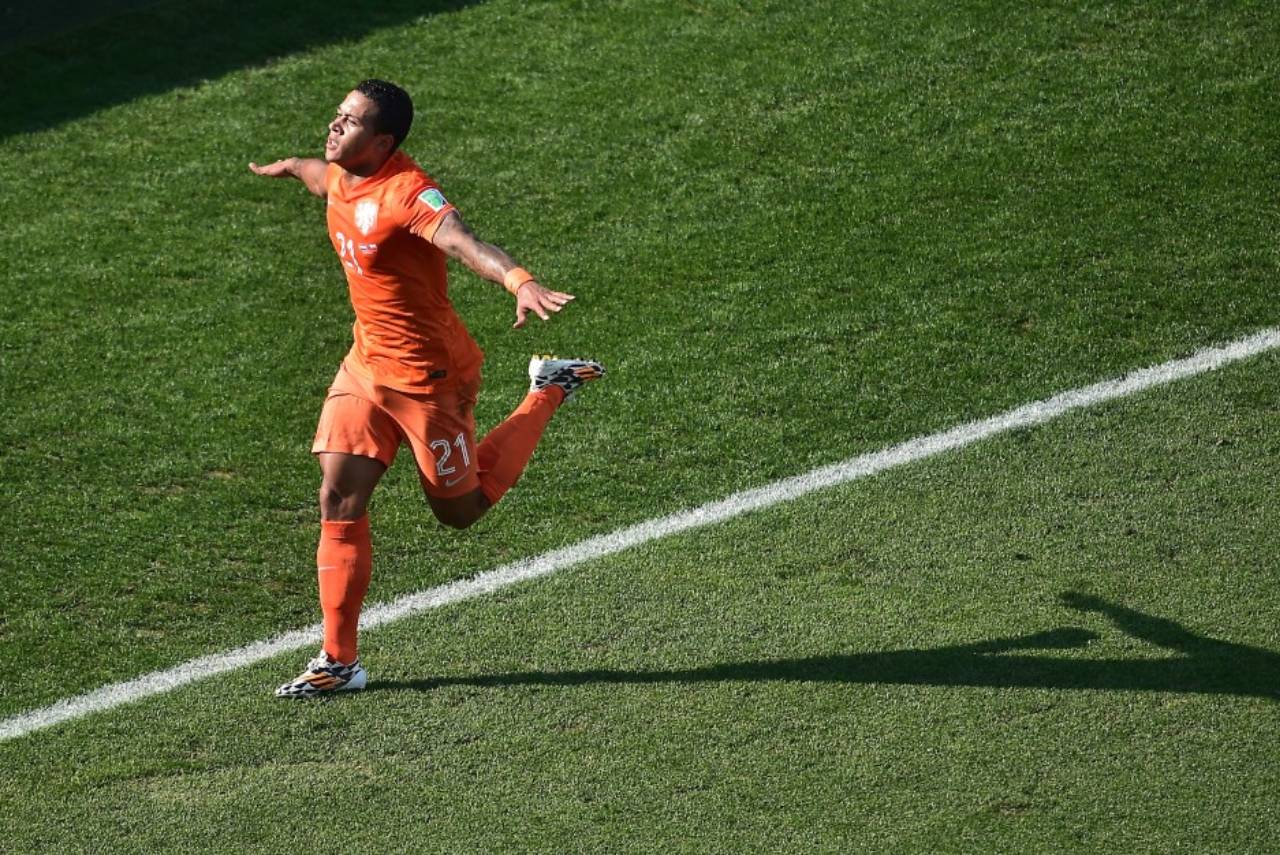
<point x="395" y="108"/>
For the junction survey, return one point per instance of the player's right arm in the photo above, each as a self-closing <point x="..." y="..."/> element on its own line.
<point x="309" y="170"/>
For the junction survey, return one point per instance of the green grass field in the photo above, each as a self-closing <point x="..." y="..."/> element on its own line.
<point x="798" y="232"/>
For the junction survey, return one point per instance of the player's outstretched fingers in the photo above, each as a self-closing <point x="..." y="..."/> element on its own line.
<point x="555" y="300"/>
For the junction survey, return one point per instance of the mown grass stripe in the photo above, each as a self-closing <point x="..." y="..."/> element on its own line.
<point x="864" y="465"/>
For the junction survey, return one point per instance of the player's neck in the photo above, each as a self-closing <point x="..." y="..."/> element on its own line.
<point x="357" y="172"/>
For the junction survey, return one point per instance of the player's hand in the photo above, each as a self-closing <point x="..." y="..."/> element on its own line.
<point x="532" y="297"/>
<point x="279" y="169"/>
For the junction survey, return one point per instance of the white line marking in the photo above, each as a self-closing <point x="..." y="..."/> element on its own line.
<point x="785" y="490"/>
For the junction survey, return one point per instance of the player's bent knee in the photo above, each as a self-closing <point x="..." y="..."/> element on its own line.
<point x="461" y="512"/>
<point x="454" y="517"/>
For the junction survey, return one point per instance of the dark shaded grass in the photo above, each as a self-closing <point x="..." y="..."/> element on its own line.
<point x="64" y="60"/>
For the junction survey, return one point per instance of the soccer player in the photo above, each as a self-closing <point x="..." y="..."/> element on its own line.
<point x="413" y="371"/>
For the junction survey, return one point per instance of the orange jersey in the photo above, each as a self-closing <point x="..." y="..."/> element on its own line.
<point x="407" y="334"/>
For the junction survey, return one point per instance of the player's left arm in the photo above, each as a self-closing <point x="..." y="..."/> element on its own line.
<point x="456" y="240"/>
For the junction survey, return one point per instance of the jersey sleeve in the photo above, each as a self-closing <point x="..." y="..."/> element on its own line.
<point x="425" y="208"/>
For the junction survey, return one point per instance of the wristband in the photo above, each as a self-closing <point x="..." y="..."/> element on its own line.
<point x="516" y="277"/>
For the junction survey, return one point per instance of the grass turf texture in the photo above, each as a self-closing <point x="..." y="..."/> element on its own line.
<point x="934" y="677"/>
<point x="797" y="232"/>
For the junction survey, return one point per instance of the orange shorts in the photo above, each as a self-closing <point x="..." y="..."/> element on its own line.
<point x="364" y="418"/>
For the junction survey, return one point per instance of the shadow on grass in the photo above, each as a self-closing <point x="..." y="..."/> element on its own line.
<point x="1202" y="665"/>
<point x="142" y="51"/>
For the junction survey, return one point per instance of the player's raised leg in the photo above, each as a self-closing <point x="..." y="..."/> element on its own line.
<point x="506" y="450"/>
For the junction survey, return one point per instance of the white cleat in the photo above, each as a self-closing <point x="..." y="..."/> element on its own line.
<point x="569" y="374"/>
<point x="324" y="676"/>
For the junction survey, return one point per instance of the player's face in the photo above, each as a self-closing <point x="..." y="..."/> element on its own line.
<point x="352" y="140"/>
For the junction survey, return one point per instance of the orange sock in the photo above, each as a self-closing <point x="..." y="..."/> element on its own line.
<point x="344" y="560"/>
<point x="505" y="451"/>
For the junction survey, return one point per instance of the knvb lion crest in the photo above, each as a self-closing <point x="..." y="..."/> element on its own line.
<point x="366" y="216"/>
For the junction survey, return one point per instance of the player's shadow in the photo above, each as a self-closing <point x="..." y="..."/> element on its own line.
<point x="54" y="71"/>
<point x="1196" y="664"/>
